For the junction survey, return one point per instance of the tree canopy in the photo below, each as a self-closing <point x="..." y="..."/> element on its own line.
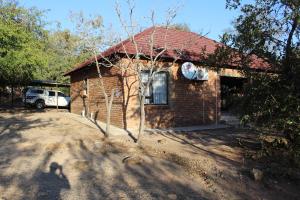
<point x="29" y="51"/>
<point x="270" y="29"/>
<point x="64" y="50"/>
<point x="21" y="49"/>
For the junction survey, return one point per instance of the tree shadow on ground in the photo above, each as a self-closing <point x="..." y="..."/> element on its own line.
<point x="106" y="176"/>
<point x="237" y="178"/>
<point x="207" y="141"/>
<point x="17" y="152"/>
<point x="109" y="170"/>
<point x="197" y="145"/>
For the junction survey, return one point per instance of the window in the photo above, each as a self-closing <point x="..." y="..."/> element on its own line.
<point x="60" y="94"/>
<point x="37" y="91"/>
<point x="157" y="92"/>
<point x="51" y="94"/>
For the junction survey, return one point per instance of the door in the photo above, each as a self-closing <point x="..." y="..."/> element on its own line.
<point x="51" y="99"/>
<point x="62" y="101"/>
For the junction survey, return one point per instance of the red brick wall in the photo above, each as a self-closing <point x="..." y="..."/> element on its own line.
<point x="195" y="102"/>
<point x="78" y="103"/>
<point x="190" y="102"/>
<point x="95" y="102"/>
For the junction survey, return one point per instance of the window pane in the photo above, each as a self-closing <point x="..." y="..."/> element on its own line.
<point x="148" y="96"/>
<point x="145" y="76"/>
<point x="37" y="92"/>
<point x="159" y="86"/>
<point x="157" y="91"/>
<point x="61" y="94"/>
<point x="51" y="94"/>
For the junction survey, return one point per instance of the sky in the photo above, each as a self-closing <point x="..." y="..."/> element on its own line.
<point x="207" y="17"/>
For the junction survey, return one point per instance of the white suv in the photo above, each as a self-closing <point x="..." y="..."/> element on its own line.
<point x="42" y="97"/>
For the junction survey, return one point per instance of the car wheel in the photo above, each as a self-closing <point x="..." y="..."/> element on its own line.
<point x="40" y="104"/>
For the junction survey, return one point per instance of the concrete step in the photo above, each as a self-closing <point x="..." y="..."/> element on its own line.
<point x="230" y="119"/>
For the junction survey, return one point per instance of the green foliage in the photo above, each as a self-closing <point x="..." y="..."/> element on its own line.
<point x="269" y="102"/>
<point x="63" y="53"/>
<point x="21" y="49"/>
<point x="28" y="51"/>
<point x="269" y="29"/>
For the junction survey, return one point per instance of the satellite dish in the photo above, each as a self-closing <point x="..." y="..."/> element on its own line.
<point x="191" y="72"/>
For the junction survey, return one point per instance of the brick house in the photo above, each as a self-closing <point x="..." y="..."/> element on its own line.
<point x="173" y="99"/>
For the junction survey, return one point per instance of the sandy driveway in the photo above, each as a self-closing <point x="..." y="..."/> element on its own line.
<point x="49" y="156"/>
<point x="52" y="156"/>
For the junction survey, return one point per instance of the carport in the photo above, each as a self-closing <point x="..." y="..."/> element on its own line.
<point x="50" y="84"/>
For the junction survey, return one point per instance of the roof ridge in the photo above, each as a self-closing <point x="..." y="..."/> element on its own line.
<point x="124" y="42"/>
<point x="190" y="32"/>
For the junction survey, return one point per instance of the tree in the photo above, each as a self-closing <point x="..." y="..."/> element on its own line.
<point x="21" y="43"/>
<point x="63" y="52"/>
<point x="91" y="34"/>
<point x="136" y="65"/>
<point x="268" y="30"/>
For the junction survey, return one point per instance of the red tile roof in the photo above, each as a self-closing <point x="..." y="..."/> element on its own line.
<point x="191" y="44"/>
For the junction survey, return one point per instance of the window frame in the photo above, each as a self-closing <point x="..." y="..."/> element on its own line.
<point x="151" y="97"/>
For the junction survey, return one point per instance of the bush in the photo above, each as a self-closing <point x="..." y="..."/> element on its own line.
<point x="271" y="103"/>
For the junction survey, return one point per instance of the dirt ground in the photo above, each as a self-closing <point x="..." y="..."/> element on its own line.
<point x="49" y="155"/>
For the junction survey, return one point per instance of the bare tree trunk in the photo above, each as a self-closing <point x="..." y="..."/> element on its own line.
<point x="287" y="62"/>
<point x="90" y="32"/>
<point x="290" y="38"/>
<point x="108" y="101"/>
<point x="142" y="118"/>
<point x="108" y="112"/>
